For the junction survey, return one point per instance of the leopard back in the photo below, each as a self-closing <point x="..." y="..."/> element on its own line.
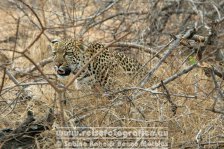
<point x="106" y="70"/>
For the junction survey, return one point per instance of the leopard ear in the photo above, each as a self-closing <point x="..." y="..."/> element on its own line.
<point x="79" y="41"/>
<point x="55" y="41"/>
<point x="80" y="44"/>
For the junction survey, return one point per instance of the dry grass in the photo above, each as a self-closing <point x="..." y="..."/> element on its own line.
<point x="192" y="115"/>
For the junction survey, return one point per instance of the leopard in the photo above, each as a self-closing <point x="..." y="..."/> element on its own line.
<point x="105" y="71"/>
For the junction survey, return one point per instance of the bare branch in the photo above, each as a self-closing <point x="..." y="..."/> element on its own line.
<point x="35" y="14"/>
<point x="91" y="59"/>
<point x="23" y="72"/>
<point x="175" y="76"/>
<point x="137" y="46"/>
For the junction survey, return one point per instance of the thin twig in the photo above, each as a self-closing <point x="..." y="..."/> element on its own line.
<point x="3" y="79"/>
<point x="90" y="60"/>
<point x="217" y="87"/>
<point x="42" y="63"/>
<point x="137" y="46"/>
<point x="175" y="76"/>
<point x="171" y="47"/>
<point x="35" y="14"/>
<point x="34" y="41"/>
<point x="168" y="97"/>
<point x="17" y="33"/>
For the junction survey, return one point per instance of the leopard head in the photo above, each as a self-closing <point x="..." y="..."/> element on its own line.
<point x="67" y="55"/>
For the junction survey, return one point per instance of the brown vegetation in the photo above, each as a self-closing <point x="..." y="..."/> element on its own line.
<point x="181" y="42"/>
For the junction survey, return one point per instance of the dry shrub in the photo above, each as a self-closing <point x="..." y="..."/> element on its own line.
<point x="150" y="25"/>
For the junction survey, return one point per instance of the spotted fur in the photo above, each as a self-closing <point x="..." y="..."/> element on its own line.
<point x="105" y="70"/>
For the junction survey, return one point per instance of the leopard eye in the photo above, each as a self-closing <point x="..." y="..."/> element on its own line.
<point x="55" y="41"/>
<point x="68" y="53"/>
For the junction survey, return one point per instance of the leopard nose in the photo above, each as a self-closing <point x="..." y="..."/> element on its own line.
<point x="58" y="64"/>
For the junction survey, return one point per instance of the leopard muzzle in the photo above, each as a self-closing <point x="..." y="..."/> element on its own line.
<point x="63" y="70"/>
